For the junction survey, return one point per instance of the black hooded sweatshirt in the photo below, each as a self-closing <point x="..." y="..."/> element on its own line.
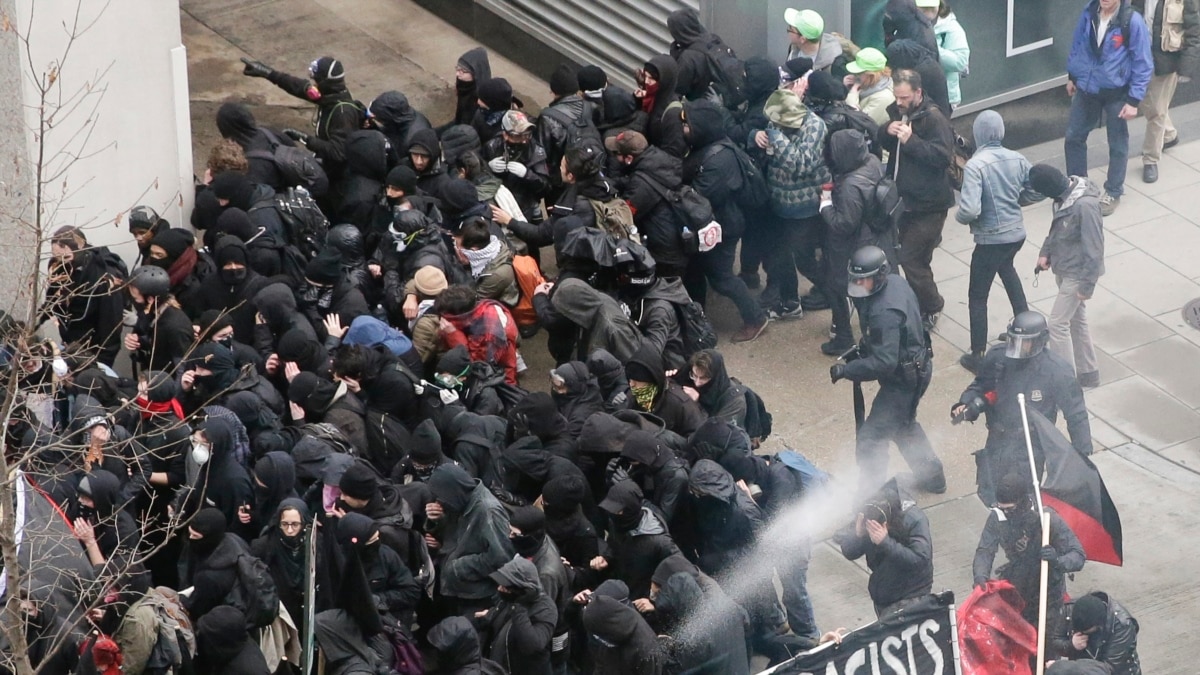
<point x="721" y="397"/>
<point x="527" y="469"/>
<point x="223" y="645"/>
<point x="638" y="538"/>
<point x="619" y="639"/>
<point x="237" y="123"/>
<point x="223" y="483"/>
<point x="457" y="644"/>
<point x="213" y="573"/>
<point x="665" y="127"/>
<point x="368" y="156"/>
<point x="89" y="306"/>
<point x="855" y="173"/>
<point x="902" y="20"/>
<point x="114" y="526"/>
<point x="338" y="116"/>
<point x="392" y="114"/>
<point x="678" y="412"/>
<point x="582" y="397"/>
<point x="224" y="292"/>
<point x="762" y="79"/>
<point x="661" y="475"/>
<point x="644" y="186"/>
<point x="277" y="304"/>
<point x="725" y="521"/>
<point x="476" y="60"/>
<point x="712" y="167"/>
<point x="690" y="48"/>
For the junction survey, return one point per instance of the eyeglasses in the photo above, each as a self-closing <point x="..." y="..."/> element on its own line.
<point x="792" y="31"/>
<point x="290" y="526"/>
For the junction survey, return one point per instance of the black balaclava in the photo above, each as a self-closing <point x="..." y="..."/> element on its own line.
<point x="452" y="486"/>
<point x="210" y="524"/>
<point x="531" y="521"/>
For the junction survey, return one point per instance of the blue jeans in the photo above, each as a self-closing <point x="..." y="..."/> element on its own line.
<point x="1086" y="111"/>
<point x="793" y="576"/>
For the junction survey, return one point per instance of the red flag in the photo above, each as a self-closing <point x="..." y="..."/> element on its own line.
<point x="1073" y="487"/>
<point x="993" y="638"/>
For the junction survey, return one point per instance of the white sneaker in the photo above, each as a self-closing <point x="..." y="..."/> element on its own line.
<point x="521" y="367"/>
<point x="1109" y="204"/>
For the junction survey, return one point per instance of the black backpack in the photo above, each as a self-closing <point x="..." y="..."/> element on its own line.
<point x="758" y="420"/>
<point x="840" y="116"/>
<point x="305" y="223"/>
<point x="255" y="593"/>
<point x="883" y="212"/>
<point x="728" y="74"/>
<point x="580" y="130"/>
<point x="695" y="329"/>
<point x="752" y="193"/>
<point x="692" y="210"/>
<point x="297" y="166"/>
<point x="387" y="440"/>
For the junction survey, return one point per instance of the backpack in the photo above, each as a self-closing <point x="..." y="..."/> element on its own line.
<point x="752" y="192"/>
<point x="692" y="210"/>
<point x="303" y="220"/>
<point x="406" y="658"/>
<point x="883" y="213"/>
<point x="616" y="218"/>
<point x="728" y="74"/>
<point x="810" y="475"/>
<point x="580" y="130"/>
<point x="292" y="263"/>
<point x="176" y="641"/>
<point x="529" y="276"/>
<point x="963" y="149"/>
<point x="694" y="328"/>
<point x="862" y="122"/>
<point x="387" y="439"/>
<point x="255" y="593"/>
<point x="758" y="420"/>
<point x="331" y="435"/>
<point x="297" y="166"/>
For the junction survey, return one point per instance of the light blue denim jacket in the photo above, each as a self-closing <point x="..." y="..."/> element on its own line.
<point x="995" y="186"/>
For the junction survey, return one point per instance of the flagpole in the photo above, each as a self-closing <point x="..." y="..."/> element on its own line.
<point x="1045" y="518"/>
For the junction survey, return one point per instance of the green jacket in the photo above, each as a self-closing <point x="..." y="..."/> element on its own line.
<point x="953" y="52"/>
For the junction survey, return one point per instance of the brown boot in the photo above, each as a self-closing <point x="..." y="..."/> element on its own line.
<point x="750" y="331"/>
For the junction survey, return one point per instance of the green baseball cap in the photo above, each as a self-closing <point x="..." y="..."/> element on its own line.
<point x="869" y="60"/>
<point x="806" y="22"/>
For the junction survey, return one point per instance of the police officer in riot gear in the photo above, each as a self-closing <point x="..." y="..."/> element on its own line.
<point x="895" y="351"/>
<point x="1022" y="364"/>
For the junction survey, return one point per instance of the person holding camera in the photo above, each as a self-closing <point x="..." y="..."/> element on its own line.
<point x="893" y="533"/>
<point x="895" y="352"/>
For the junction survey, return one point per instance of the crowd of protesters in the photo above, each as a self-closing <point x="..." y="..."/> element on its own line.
<point x="328" y="428"/>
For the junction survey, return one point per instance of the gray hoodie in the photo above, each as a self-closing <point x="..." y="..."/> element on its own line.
<point x="1075" y="244"/>
<point x="995" y="186"/>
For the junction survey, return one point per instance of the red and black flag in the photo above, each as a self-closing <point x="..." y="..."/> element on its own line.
<point x="1074" y="489"/>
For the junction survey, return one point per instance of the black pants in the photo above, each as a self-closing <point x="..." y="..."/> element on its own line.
<point x="756" y="242"/>
<point x="987" y="261"/>
<point x="715" y="267"/>
<point x="920" y="235"/>
<point x="795" y="246"/>
<point x="893" y="417"/>
<point x="839" y="302"/>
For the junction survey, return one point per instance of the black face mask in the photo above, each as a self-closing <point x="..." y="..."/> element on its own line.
<point x="233" y="277"/>
<point x="164" y="263"/>
<point x="526" y="545"/>
<point x="464" y="86"/>
<point x="88" y="513"/>
<point x="627" y="520"/>
<point x="226" y="342"/>
<point x="510" y="596"/>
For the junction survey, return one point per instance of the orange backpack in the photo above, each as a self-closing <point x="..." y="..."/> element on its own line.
<point x="528" y="277"/>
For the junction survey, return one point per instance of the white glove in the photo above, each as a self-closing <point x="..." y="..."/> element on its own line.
<point x="419" y="388"/>
<point x="517" y="169"/>
<point x="825" y="205"/>
<point x="129" y="318"/>
<point x="448" y="396"/>
<point x="498" y="165"/>
<point x="60" y="367"/>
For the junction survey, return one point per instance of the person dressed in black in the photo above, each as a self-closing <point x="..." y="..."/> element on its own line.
<point x="847" y="217"/>
<point x="656" y="93"/>
<point x="1015" y="526"/>
<point x="283" y="548"/>
<point x="237" y="123"/>
<point x="620" y="640"/>
<point x="213" y="568"/>
<point x="84" y="297"/>
<point x="521" y="163"/>
<point x="392" y="114"/>
<point x="472" y="68"/>
<point x="1021" y="365"/>
<point x="1101" y="629"/>
<point x="230" y="289"/>
<point x="519" y="627"/>
<point x="224" y="646"/>
<point x="648" y="172"/>
<point x="653" y="392"/>
<point x="662" y="476"/>
<point x="162" y="334"/>
<point x="338" y="114"/>
<point x="896" y="353"/>
<point x="456" y="645"/>
<point x="893" y="533"/>
<point x="368" y="157"/>
<point x="638" y="538"/>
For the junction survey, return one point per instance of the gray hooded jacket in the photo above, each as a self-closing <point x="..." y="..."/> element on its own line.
<point x="1075" y="244"/>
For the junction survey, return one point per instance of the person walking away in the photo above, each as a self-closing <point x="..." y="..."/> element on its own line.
<point x="1109" y="71"/>
<point x="1175" y="49"/>
<point x="995" y="187"/>
<point x="953" y="51"/>
<point x="920" y="141"/>
<point x="1074" y="250"/>
<point x="897" y="355"/>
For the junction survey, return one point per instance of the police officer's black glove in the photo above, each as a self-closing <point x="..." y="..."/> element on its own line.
<point x="256" y="68"/>
<point x="836" y="372"/>
<point x="296" y="135"/>
<point x="1050" y="555"/>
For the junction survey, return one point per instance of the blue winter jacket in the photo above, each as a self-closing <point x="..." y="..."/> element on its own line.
<point x="1113" y="68"/>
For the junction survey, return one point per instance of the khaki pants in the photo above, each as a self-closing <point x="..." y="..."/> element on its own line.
<point x="1070" y="336"/>
<point x="1156" y="107"/>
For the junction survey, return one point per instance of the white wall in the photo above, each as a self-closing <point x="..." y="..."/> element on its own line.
<point x="133" y="140"/>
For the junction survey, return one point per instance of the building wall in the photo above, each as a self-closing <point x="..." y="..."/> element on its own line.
<point x="120" y="132"/>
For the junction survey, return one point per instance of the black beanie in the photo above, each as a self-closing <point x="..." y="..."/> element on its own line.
<point x="591" y="78"/>
<point x="307" y="386"/>
<point x="214" y="321"/>
<point x="1013" y="489"/>
<point x="236" y="222"/>
<point x="325" y="269"/>
<point x="454" y="361"/>
<point x="160" y="387"/>
<point x="458" y="140"/>
<point x="234" y="186"/>
<point x="403" y="178"/>
<point x="424" y="141"/>
<point x="564" y="492"/>
<point x="1048" y="180"/>
<point x="174" y="242"/>
<point x="358" y="481"/>
<point x="824" y="87"/>
<point x="327" y="68"/>
<point x="230" y="249"/>
<point x="563" y="81"/>
<point x="495" y="93"/>
<point x="426" y="444"/>
<point x="639" y="372"/>
<point x="1089" y="611"/>
<point x="797" y="67"/>
<point x="209" y="523"/>
<point x="458" y="195"/>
